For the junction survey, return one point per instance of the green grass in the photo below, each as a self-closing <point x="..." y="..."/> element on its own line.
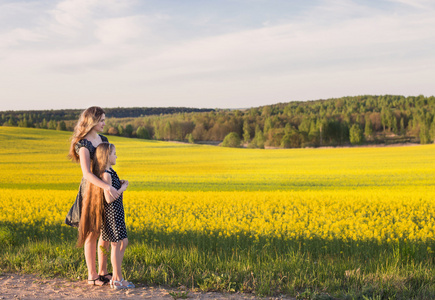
<point x="296" y="269"/>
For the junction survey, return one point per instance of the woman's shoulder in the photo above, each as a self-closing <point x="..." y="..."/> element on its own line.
<point x="83" y="143"/>
<point x="104" y="139"/>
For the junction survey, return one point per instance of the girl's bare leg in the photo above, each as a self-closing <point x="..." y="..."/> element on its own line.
<point x="124" y="244"/>
<point x="116" y="258"/>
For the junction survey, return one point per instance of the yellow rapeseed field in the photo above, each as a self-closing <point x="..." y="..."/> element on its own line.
<point x="375" y="215"/>
<point x="380" y="194"/>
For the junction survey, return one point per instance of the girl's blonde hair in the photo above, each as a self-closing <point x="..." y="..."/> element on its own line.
<point x="91" y="218"/>
<point x="88" y="119"/>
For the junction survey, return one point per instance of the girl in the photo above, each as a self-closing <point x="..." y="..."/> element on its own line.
<point x="82" y="150"/>
<point x="114" y="229"/>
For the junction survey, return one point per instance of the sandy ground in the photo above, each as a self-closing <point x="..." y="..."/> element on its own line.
<point x="25" y="286"/>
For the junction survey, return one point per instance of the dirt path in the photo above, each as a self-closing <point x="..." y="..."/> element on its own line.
<point x="25" y="286"/>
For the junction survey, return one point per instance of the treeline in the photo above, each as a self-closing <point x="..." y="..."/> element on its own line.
<point x="150" y="111"/>
<point x="66" y="119"/>
<point x="333" y="122"/>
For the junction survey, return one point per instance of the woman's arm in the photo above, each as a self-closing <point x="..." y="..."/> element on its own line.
<point x="85" y="164"/>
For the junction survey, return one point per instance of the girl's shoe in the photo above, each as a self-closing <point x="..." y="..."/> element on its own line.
<point x="117" y="285"/>
<point x="127" y="285"/>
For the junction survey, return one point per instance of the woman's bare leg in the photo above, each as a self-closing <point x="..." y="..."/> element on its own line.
<point x="102" y="257"/>
<point x="90" y="257"/>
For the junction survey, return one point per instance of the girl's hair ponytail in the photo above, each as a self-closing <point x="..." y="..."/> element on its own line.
<point x="91" y="218"/>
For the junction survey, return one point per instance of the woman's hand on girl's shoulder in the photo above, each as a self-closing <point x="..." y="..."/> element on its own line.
<point x="114" y="193"/>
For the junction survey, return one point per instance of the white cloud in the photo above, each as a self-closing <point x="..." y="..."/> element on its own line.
<point x="76" y="18"/>
<point x="19" y="35"/>
<point x="120" y="30"/>
<point x="419" y="4"/>
<point x="71" y="13"/>
<point x="297" y="47"/>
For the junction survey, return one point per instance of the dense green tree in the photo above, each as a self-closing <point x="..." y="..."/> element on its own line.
<point x="167" y="131"/>
<point x="190" y="138"/>
<point x="52" y="124"/>
<point x="11" y="121"/>
<point x="246" y="131"/>
<point x="61" y="126"/>
<point x="268" y="125"/>
<point x="128" y="131"/>
<point x="23" y="123"/>
<point x="120" y="130"/>
<point x="143" y="133"/>
<point x="199" y="132"/>
<point x="231" y="140"/>
<point x="286" y="141"/>
<point x="258" y="140"/>
<point x="313" y="134"/>
<point x="384" y="117"/>
<point x="402" y="129"/>
<point x="424" y="134"/>
<point x="44" y="124"/>
<point x="274" y="137"/>
<point x="356" y="135"/>
<point x="368" y="130"/>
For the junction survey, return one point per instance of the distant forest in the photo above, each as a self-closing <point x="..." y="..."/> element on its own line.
<point x="342" y="121"/>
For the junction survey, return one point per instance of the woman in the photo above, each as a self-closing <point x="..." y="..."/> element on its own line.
<point x="84" y="141"/>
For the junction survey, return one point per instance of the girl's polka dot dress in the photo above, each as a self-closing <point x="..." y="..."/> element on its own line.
<point x="114" y="229"/>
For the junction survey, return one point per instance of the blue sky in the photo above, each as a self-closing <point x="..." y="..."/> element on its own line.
<point x="211" y="54"/>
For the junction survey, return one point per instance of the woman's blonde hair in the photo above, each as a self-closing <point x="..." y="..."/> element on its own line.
<point x="92" y="213"/>
<point x="88" y="119"/>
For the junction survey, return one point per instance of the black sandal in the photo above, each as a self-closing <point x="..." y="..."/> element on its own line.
<point x="94" y="280"/>
<point x="104" y="279"/>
